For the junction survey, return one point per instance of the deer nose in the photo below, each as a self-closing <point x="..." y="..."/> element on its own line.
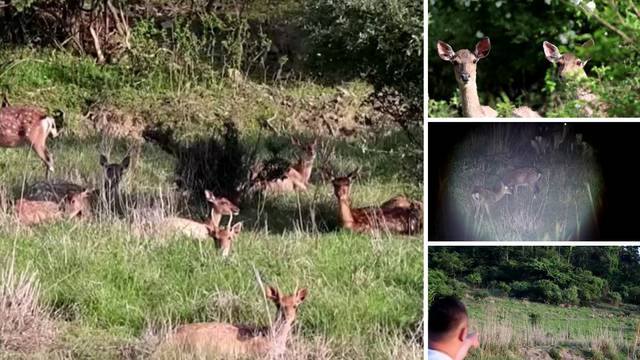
<point x="464" y="77"/>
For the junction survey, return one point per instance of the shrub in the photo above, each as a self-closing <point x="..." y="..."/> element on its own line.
<point x="570" y="296"/>
<point x="441" y="285"/>
<point x="520" y="289"/>
<point x="546" y="291"/>
<point x="474" y="279"/>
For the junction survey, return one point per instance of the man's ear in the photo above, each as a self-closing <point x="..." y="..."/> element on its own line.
<point x="462" y="334"/>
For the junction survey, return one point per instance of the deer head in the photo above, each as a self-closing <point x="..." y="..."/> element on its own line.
<point x="224" y="237"/>
<point x="287" y="304"/>
<point x="221" y="205"/>
<point x="342" y="185"/>
<point x="308" y="150"/>
<point x="464" y="61"/>
<point x="78" y="204"/>
<point x="113" y="172"/>
<point x="568" y="63"/>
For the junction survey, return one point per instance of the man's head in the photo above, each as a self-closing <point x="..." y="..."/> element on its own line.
<point x="448" y="322"/>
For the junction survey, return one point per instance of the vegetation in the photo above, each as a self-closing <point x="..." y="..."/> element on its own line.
<point x="517" y="72"/>
<point x="197" y="92"/>
<point x="530" y="301"/>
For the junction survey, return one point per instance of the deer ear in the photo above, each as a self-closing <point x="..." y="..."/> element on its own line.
<point x="237" y="228"/>
<point x="482" y="48"/>
<point x="126" y="161"/>
<point x="354" y="173"/>
<point x="445" y="51"/>
<point x="582" y="63"/>
<point x="589" y="43"/>
<point x="551" y="52"/>
<point x="103" y="160"/>
<point x="272" y="293"/>
<point x="301" y="295"/>
<point x="209" y="196"/>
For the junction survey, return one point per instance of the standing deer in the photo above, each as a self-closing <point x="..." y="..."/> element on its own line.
<point x="570" y="66"/>
<point x="276" y="179"/>
<point x="74" y="205"/>
<point x="527" y="177"/>
<point x="112" y="175"/>
<point x="29" y="125"/>
<point x="227" y="340"/>
<point x="464" y="66"/>
<point x="399" y="218"/>
<point x="484" y="197"/>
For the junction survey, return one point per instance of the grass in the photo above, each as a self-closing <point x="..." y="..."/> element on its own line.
<point x="109" y="291"/>
<point x="508" y="331"/>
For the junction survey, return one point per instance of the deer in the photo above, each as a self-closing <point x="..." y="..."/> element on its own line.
<point x="220" y="206"/>
<point x="527" y="177"/>
<point x="396" y="219"/>
<point x="572" y="67"/>
<point x="276" y="179"/>
<point x="112" y="175"/>
<point x="74" y="205"/>
<point x="223" y="237"/>
<point x="484" y="198"/>
<point x="464" y="66"/>
<point x="30" y="125"/>
<point x="227" y="340"/>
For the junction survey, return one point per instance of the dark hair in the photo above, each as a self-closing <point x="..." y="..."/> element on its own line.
<point x="445" y="315"/>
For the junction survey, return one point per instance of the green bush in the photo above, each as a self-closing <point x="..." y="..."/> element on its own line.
<point x="441" y="285"/>
<point x="381" y="39"/>
<point x="520" y="289"/>
<point x="570" y="296"/>
<point x="474" y="279"/>
<point x="546" y="291"/>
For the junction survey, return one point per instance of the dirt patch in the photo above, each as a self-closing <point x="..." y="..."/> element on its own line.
<point x="536" y="354"/>
<point x="551" y="354"/>
<point x="116" y="123"/>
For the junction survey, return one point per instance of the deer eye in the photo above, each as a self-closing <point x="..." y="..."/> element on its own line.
<point x="475" y="61"/>
<point x="579" y="63"/>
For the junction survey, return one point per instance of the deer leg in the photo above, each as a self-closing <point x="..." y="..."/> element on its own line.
<point x="46" y="158"/>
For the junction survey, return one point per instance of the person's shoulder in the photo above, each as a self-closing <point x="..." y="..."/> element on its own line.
<point x="437" y="355"/>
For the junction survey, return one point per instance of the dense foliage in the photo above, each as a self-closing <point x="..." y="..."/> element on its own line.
<point x="516" y="70"/>
<point x="556" y="275"/>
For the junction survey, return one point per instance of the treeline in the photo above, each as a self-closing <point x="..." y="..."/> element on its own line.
<point x="556" y="275"/>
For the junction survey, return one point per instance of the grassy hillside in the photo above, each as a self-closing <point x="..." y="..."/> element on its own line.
<point x="111" y="294"/>
<point x="516" y="329"/>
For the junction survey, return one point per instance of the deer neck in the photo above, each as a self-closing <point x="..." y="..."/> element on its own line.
<point x="215" y="218"/>
<point x="470" y="102"/>
<point x="304" y="169"/>
<point x="344" y="212"/>
<point x="279" y="334"/>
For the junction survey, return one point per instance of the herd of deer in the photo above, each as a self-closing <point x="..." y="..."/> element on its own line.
<point x="48" y="200"/>
<point x="465" y="62"/>
<point x="550" y="138"/>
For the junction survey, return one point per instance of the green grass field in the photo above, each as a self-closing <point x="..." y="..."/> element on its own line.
<point x="517" y="329"/>
<point x="111" y="294"/>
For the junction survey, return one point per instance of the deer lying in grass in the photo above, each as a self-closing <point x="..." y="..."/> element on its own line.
<point x="74" y="205"/>
<point x="29" y="125"/>
<point x="398" y="215"/>
<point x="201" y="230"/>
<point x="274" y="178"/>
<point x="224" y="237"/>
<point x="226" y="340"/>
<point x="485" y="198"/>
<point x="572" y="67"/>
<point x="464" y="66"/>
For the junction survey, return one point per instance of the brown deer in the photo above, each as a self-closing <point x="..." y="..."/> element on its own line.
<point x="227" y="340"/>
<point x="572" y="67"/>
<point x="464" y="66"/>
<point x="220" y="207"/>
<point x="29" y="125"/>
<point x="485" y="198"/>
<point x="201" y="230"/>
<point x="396" y="219"/>
<point x="223" y="237"/>
<point x="280" y="180"/>
<point x="74" y="205"/>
